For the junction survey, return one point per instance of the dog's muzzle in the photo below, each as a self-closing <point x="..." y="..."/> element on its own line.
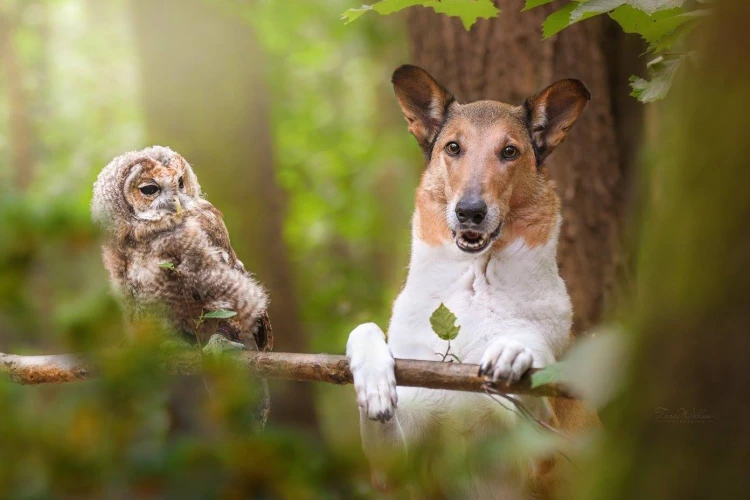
<point x="473" y="241"/>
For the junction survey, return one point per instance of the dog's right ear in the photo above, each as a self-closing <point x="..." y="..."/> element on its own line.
<point x="423" y="101"/>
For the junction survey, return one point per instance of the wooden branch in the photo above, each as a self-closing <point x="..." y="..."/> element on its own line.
<point x="327" y="368"/>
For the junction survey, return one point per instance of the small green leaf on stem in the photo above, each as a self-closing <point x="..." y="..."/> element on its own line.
<point x="219" y="314"/>
<point x="443" y="323"/>
<point x="166" y="265"/>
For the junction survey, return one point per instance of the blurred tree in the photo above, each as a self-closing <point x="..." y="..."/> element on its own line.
<point x="21" y="161"/>
<point x="205" y="96"/>
<point x="505" y="59"/>
<point x="680" y="428"/>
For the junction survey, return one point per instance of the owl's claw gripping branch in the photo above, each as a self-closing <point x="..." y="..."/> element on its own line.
<point x="327" y="368"/>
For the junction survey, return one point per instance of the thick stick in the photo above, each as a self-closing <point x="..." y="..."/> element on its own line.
<point x="327" y="368"/>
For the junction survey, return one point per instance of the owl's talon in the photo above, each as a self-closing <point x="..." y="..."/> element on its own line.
<point x="218" y="345"/>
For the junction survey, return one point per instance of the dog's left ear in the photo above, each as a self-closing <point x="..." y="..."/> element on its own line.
<point x="552" y="112"/>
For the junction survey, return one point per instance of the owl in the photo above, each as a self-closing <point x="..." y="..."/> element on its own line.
<point x="167" y="249"/>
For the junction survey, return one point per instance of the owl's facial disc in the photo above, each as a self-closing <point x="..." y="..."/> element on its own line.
<point x="157" y="192"/>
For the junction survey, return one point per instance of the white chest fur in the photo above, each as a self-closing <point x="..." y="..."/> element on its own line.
<point x="515" y="292"/>
<point x="514" y="313"/>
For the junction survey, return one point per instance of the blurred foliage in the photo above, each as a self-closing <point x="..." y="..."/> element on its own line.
<point x="70" y="88"/>
<point x="343" y="158"/>
<point x="69" y="102"/>
<point x="79" y="95"/>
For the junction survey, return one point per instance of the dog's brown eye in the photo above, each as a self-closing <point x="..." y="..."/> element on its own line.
<point x="509" y="152"/>
<point x="149" y="189"/>
<point x="181" y="183"/>
<point x="453" y="148"/>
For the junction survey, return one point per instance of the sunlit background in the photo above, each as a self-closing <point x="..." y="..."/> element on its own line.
<point x="287" y="115"/>
<point x="288" y="119"/>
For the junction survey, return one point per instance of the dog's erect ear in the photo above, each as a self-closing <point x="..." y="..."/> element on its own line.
<point x="552" y="112"/>
<point x="423" y="101"/>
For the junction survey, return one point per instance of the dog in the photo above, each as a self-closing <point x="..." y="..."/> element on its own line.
<point x="484" y="241"/>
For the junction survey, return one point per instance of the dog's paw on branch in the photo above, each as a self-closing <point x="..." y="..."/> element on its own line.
<point x="332" y="369"/>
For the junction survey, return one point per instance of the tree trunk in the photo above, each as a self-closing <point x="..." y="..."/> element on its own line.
<point x="505" y="59"/>
<point x="205" y="96"/>
<point x="680" y="428"/>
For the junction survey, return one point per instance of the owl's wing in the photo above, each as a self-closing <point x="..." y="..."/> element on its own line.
<point x="212" y="221"/>
<point x="243" y="286"/>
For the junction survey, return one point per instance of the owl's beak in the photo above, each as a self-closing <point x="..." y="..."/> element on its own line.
<point x="177" y="206"/>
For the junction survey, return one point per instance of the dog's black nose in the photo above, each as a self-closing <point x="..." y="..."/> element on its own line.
<point x="471" y="210"/>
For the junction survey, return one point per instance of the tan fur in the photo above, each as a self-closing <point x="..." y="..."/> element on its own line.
<point x="526" y="198"/>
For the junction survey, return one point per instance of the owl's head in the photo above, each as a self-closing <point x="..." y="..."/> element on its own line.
<point x="150" y="188"/>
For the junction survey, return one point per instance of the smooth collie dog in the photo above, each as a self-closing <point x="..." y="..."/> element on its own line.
<point x="484" y="239"/>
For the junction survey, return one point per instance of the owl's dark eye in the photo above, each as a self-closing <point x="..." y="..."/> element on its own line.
<point x="149" y="189"/>
<point x="181" y="183"/>
<point x="509" y="153"/>
<point x="453" y="148"/>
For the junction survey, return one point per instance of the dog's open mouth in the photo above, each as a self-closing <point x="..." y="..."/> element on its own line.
<point x="474" y="241"/>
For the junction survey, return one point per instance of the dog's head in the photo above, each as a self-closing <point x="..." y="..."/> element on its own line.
<point x="483" y="158"/>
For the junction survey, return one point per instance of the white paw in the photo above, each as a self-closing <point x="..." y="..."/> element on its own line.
<point x="506" y="359"/>
<point x="372" y="367"/>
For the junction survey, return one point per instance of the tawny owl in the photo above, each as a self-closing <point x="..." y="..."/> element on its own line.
<point x="168" y="249"/>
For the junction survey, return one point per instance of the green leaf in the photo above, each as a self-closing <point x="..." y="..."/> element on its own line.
<point x="219" y="314"/>
<point x="351" y="15"/>
<point x="597" y="7"/>
<point x="661" y="72"/>
<point x="166" y="265"/>
<point x="559" y="20"/>
<point x="443" y="323"/>
<point x="548" y="375"/>
<point x="383" y="7"/>
<point x="468" y="11"/>
<point x="531" y="4"/>
<point x="594" y="7"/>
<point x="595" y="365"/>
<point x="651" y="6"/>
<point x="655" y="27"/>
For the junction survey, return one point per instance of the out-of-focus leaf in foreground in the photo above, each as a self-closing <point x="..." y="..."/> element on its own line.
<point x="592" y="368"/>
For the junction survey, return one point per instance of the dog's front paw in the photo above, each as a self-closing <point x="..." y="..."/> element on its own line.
<point x="506" y="359"/>
<point x="372" y="367"/>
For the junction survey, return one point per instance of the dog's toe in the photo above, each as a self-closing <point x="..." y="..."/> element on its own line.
<point x="507" y="360"/>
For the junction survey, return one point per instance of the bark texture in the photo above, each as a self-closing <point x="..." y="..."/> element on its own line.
<point x="205" y="96"/>
<point x="505" y="59"/>
<point x="328" y="368"/>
